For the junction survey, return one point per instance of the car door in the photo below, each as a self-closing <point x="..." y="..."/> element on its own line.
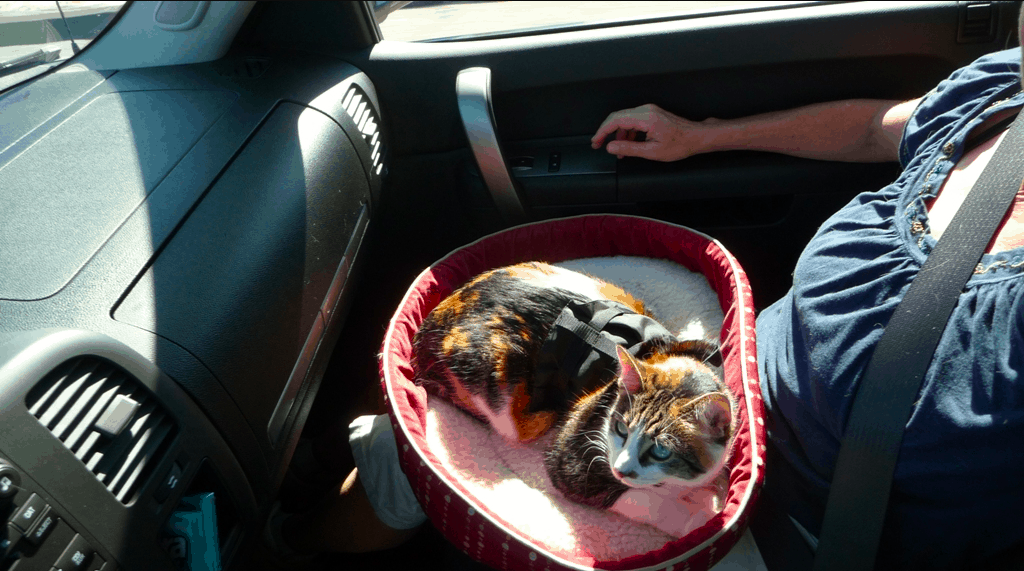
<point x="551" y="89"/>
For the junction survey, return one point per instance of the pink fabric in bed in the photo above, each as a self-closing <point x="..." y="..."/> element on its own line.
<point x="480" y="527"/>
<point x="511" y="481"/>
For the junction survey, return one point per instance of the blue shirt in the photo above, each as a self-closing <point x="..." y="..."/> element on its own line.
<point x="958" y="490"/>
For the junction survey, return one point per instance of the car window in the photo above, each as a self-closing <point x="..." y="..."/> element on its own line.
<point x="464" y="20"/>
<point x="36" y="36"/>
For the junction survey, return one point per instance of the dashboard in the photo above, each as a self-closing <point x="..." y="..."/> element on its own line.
<point x="180" y="248"/>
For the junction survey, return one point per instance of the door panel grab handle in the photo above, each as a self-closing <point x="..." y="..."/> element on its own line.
<point x="473" y="90"/>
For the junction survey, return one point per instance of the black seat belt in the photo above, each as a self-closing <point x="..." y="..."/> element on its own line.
<point x="859" y="495"/>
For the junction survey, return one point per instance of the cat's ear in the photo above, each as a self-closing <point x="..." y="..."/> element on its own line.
<point x="629" y="371"/>
<point x="714" y="415"/>
<point x="703" y="350"/>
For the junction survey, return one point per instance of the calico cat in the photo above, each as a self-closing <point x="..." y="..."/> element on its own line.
<point x="517" y="348"/>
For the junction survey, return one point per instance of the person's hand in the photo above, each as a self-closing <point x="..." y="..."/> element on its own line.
<point x="668" y="137"/>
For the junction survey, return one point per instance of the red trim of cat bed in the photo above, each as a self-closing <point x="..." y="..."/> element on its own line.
<point x="485" y="535"/>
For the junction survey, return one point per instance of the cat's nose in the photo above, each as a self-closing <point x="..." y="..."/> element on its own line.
<point x="620" y="475"/>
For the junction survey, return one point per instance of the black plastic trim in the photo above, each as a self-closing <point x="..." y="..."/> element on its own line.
<point x="83" y="501"/>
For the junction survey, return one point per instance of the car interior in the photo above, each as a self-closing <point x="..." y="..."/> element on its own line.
<point x="209" y="215"/>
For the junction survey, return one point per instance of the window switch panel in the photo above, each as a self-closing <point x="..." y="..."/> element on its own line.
<point x="554" y="162"/>
<point x="522" y="163"/>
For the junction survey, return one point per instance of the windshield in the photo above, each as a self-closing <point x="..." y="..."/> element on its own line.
<point x="36" y="36"/>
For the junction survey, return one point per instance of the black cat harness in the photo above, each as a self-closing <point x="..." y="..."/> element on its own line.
<point x="579" y="356"/>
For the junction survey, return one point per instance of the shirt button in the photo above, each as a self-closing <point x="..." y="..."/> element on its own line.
<point x="947" y="149"/>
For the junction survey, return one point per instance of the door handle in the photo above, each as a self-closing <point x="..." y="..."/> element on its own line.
<point x="473" y="90"/>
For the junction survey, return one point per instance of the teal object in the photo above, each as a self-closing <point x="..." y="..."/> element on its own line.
<point x="190" y="536"/>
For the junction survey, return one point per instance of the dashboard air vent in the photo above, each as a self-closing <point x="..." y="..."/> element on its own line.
<point x="360" y="109"/>
<point x="107" y="418"/>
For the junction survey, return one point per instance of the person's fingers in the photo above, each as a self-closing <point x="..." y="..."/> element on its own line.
<point x="630" y="149"/>
<point x="607" y="127"/>
<point x="614" y="123"/>
<point x="625" y="135"/>
<point x="620" y="135"/>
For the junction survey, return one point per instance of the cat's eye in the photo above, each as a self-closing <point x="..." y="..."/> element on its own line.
<point x="659" y="452"/>
<point x="620" y="428"/>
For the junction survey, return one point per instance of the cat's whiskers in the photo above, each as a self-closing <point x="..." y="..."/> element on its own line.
<point x="594" y="440"/>
<point x="601" y="455"/>
<point x="587" y="475"/>
<point x="597" y="443"/>
<point x="600" y="443"/>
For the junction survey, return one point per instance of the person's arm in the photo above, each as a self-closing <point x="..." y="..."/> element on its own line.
<point x="854" y="130"/>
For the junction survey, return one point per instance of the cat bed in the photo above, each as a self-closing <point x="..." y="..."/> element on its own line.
<point x="494" y="500"/>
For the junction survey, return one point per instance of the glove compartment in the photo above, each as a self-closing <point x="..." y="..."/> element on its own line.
<point x="249" y="281"/>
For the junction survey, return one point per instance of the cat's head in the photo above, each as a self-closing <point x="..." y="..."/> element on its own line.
<point x="672" y="419"/>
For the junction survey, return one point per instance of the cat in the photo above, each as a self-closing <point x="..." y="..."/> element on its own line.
<point x="502" y="348"/>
